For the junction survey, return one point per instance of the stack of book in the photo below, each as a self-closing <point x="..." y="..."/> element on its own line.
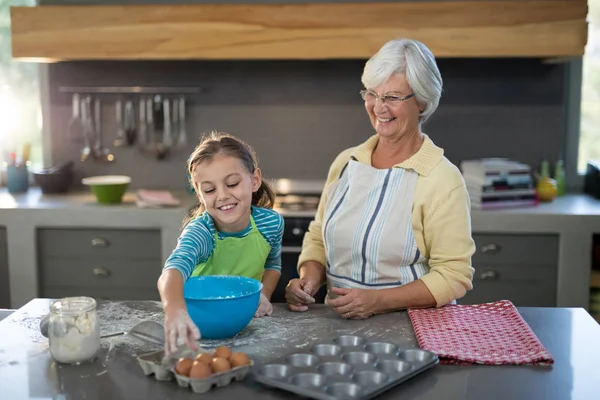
<point x="495" y="183"/>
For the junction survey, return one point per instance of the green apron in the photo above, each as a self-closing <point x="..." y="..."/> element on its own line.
<point x="244" y="256"/>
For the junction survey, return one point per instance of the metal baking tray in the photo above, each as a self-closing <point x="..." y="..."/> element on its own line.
<point x="346" y="367"/>
<point x="163" y="369"/>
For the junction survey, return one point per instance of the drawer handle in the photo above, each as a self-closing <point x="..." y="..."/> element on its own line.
<point x="99" y="242"/>
<point x="489" y="275"/>
<point x="490" y="248"/>
<point x="101" y="272"/>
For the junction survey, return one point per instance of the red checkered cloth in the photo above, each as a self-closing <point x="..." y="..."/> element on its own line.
<point x="491" y="333"/>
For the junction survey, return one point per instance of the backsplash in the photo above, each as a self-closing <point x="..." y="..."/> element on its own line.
<point x="298" y="115"/>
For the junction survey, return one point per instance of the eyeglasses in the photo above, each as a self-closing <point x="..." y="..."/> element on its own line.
<point x="371" y="97"/>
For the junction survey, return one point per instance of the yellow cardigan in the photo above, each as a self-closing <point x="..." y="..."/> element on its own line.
<point x="441" y="218"/>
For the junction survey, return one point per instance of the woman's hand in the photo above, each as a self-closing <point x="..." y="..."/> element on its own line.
<point x="264" y="307"/>
<point x="356" y="303"/>
<point x="299" y="294"/>
<point x="179" y="325"/>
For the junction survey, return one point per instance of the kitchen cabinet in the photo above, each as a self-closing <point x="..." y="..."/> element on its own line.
<point x="297" y="31"/>
<point x="4" y="283"/>
<point x="521" y="268"/>
<point x="111" y="264"/>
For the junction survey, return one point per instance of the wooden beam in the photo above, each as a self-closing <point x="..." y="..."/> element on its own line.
<point x="518" y="28"/>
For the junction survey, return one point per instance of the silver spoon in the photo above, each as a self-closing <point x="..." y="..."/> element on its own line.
<point x="181" y="137"/>
<point x="120" y="139"/>
<point x="101" y="153"/>
<point x="86" y="127"/>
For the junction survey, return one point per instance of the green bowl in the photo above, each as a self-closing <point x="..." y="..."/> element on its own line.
<point x="108" y="189"/>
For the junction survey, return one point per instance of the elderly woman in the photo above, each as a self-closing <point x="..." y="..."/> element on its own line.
<point x="393" y="227"/>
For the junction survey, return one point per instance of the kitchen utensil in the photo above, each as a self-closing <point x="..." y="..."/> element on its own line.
<point x="56" y="179"/>
<point x="147" y="331"/>
<point x="120" y="140"/>
<point x="75" y="129"/>
<point x="108" y="189"/>
<point x="102" y="153"/>
<point x="143" y="131"/>
<point x="86" y="129"/>
<point x="53" y="182"/>
<point x="167" y="140"/>
<point x="221" y="306"/>
<point x="130" y="129"/>
<point x="150" y="132"/>
<point x="345" y="366"/>
<point x="182" y="136"/>
<point x="175" y="125"/>
<point x="159" y="126"/>
<point x="26" y="152"/>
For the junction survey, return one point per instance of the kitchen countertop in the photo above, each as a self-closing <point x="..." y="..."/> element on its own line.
<point x="575" y="217"/>
<point x="28" y="372"/>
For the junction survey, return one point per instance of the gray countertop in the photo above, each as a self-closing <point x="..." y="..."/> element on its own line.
<point x="27" y="370"/>
<point x="573" y="217"/>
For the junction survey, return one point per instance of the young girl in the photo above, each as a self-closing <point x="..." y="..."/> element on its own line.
<point x="233" y="231"/>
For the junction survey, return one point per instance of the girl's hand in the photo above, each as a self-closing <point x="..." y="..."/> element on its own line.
<point x="299" y="293"/>
<point x="179" y="325"/>
<point x="264" y="308"/>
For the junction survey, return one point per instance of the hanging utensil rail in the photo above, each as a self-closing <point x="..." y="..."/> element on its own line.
<point x="130" y="89"/>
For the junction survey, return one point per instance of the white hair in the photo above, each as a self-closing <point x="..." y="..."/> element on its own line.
<point x="413" y="59"/>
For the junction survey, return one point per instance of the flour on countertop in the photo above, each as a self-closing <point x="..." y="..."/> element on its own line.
<point x="265" y="337"/>
<point x="26" y="330"/>
<point x="121" y="317"/>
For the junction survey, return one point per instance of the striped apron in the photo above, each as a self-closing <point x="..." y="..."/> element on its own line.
<point x="367" y="229"/>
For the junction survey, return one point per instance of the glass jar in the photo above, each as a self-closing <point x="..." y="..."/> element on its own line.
<point x="73" y="330"/>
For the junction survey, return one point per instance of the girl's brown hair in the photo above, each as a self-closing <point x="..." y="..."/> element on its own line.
<point x="223" y="143"/>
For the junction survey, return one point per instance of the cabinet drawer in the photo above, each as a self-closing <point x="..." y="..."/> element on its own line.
<point x="515" y="249"/>
<point x="58" y="292"/>
<point x="100" y="274"/>
<point x="524" y="286"/>
<point x="94" y="243"/>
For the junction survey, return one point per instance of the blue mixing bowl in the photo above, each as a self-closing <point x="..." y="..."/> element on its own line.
<point x="221" y="305"/>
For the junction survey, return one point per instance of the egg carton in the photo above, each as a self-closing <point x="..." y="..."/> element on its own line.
<point x="163" y="369"/>
<point x="346" y="366"/>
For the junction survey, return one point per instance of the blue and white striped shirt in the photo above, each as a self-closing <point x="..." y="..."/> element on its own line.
<point x="197" y="241"/>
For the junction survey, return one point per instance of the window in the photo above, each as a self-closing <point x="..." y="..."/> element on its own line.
<point x="20" y="107"/>
<point x="589" y="140"/>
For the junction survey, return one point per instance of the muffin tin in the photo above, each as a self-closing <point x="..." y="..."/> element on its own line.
<point x="346" y="367"/>
<point x="163" y="369"/>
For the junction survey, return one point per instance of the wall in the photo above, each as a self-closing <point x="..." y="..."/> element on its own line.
<point x="299" y="114"/>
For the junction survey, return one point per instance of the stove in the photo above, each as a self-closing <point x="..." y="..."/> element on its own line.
<point x="297" y="195"/>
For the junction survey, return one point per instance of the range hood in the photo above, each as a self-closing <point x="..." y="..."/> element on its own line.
<point x="517" y="28"/>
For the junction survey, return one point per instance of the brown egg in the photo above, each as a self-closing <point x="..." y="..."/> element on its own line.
<point x="205" y="358"/>
<point x="238" y="359"/>
<point x="223" y="351"/>
<point x="220" y="364"/>
<point x="183" y="366"/>
<point x="200" y="370"/>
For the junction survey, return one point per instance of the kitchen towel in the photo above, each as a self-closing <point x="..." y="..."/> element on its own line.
<point x="490" y="333"/>
<point x="155" y="199"/>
